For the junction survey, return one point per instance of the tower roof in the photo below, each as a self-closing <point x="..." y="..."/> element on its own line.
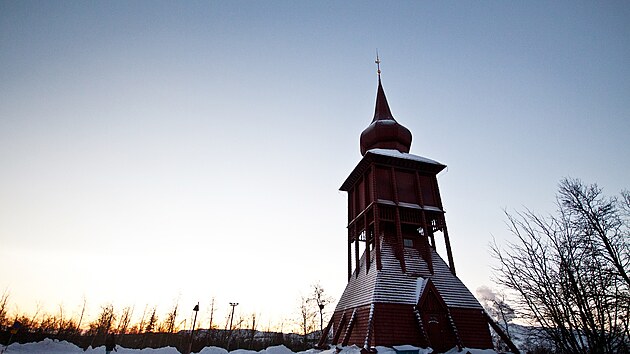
<point x="392" y="285"/>
<point x="384" y="132"/>
<point x="381" y="111"/>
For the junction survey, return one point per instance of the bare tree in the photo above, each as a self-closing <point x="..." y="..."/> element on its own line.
<point x="171" y="318"/>
<point x="307" y="315"/>
<point x="48" y="324"/>
<point x="105" y="319"/>
<point x="82" y="313"/>
<point x="252" y="329"/>
<point x="211" y="333"/>
<point x="125" y="319"/>
<point x="103" y="323"/>
<point x="569" y="271"/>
<point x="211" y="309"/>
<point x="4" y="302"/>
<point x="65" y="325"/>
<point x="32" y="321"/>
<point x="152" y="321"/>
<point x="232" y="325"/>
<point x="321" y="299"/>
<point x="61" y="323"/>
<point x="139" y="328"/>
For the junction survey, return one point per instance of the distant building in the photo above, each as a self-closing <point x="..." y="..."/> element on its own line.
<point x="400" y="291"/>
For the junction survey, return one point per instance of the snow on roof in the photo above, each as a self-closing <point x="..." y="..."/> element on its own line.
<point x="408" y="205"/>
<point x="359" y="290"/>
<point x="394" y="286"/>
<point x="403" y="155"/>
<point x="421" y="283"/>
<point x="405" y="347"/>
<point x="391" y="285"/>
<point x="453" y="291"/>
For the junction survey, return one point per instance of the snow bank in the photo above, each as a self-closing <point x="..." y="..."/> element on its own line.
<point x="213" y="350"/>
<point x="279" y="349"/>
<point x="49" y="346"/>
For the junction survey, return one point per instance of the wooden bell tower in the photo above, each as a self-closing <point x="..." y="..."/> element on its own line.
<point x="392" y="192"/>
<point x="400" y="291"/>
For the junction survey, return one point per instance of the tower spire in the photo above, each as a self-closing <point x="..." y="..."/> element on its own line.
<point x="381" y="110"/>
<point x="384" y="132"/>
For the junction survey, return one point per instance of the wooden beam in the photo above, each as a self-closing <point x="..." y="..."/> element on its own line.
<point x="449" y="252"/>
<point x="370" y="329"/>
<point x="423" y="333"/>
<point x="426" y="254"/>
<point x="377" y="237"/>
<point x="501" y="334"/>
<point x="342" y="322"/>
<point x="322" y="340"/>
<point x="400" y="252"/>
<point x="346" y="335"/>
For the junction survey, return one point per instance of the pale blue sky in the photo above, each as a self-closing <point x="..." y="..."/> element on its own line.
<point x="150" y="150"/>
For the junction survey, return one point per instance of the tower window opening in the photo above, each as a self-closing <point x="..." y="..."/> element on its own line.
<point x="408" y="242"/>
<point x="353" y="259"/>
<point x="361" y="253"/>
<point x="361" y="243"/>
<point x="440" y="244"/>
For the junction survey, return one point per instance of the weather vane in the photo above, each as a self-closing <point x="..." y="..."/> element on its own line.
<point x="378" y="64"/>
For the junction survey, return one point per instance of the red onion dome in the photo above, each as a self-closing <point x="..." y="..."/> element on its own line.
<point x="384" y="132"/>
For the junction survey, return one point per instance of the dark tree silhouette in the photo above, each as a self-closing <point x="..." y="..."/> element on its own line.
<point x="569" y="271"/>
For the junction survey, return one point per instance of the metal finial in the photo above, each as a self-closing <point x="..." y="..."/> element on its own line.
<point x="378" y="64"/>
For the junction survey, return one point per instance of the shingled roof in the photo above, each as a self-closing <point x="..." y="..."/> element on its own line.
<point x="392" y="285"/>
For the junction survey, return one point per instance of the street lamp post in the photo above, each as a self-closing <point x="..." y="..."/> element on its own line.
<point x="233" y="304"/>
<point x="192" y="330"/>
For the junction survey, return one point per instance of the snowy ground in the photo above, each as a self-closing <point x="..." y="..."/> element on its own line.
<point x="49" y="346"/>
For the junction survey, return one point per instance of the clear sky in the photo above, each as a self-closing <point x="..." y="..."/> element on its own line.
<point x="153" y="151"/>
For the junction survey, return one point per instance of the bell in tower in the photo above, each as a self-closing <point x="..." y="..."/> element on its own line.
<point x="400" y="291"/>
